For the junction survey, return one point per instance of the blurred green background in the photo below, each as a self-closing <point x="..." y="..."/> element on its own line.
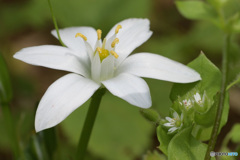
<point x="120" y="132"/>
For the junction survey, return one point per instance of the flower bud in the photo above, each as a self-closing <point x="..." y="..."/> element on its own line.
<point x="150" y="115"/>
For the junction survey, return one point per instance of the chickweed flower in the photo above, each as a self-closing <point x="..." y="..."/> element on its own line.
<point x="187" y="103"/>
<point x="198" y="98"/>
<point x="174" y="123"/>
<point x="96" y="63"/>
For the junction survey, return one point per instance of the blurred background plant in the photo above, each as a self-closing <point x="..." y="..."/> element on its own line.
<point x="120" y="132"/>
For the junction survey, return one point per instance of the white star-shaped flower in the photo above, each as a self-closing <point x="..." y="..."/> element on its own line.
<point x="174" y="123"/>
<point x="95" y="63"/>
<point x="187" y="104"/>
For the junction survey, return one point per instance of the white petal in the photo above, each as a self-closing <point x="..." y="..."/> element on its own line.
<point x="168" y="124"/>
<point x="197" y="97"/>
<point x="96" y="68"/>
<point x="158" y="67"/>
<point x="62" y="98"/>
<point x="134" y="32"/>
<point x="169" y="119"/>
<point x="175" y="115"/>
<point x="171" y="130"/>
<point x="132" y="89"/>
<point x="78" y="44"/>
<point x="55" y="57"/>
<point x="107" y="68"/>
<point x="181" y="117"/>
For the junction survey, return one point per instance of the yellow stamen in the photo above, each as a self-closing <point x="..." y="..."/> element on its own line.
<point x="114" y="54"/>
<point x="99" y="49"/>
<point x="81" y="35"/>
<point x="99" y="33"/>
<point x="117" y="28"/>
<point x="115" y="41"/>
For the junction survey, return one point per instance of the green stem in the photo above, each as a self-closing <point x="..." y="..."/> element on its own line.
<point x="55" y="24"/>
<point x="88" y="124"/>
<point x="212" y="141"/>
<point x="11" y="130"/>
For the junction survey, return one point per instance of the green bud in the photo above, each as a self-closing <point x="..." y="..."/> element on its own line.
<point x="150" y="115"/>
<point x="5" y="84"/>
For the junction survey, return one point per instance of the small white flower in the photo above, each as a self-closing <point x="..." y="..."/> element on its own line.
<point x="186" y="103"/>
<point x="198" y="98"/>
<point x="174" y="123"/>
<point x="94" y="63"/>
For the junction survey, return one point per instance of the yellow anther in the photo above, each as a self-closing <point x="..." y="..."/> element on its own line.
<point x="81" y="35"/>
<point x="99" y="49"/>
<point x="117" y="28"/>
<point x="114" y="54"/>
<point x="99" y="33"/>
<point x="115" y="41"/>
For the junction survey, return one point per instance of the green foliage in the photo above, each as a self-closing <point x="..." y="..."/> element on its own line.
<point x="210" y="83"/>
<point x="5" y="83"/>
<point x="196" y="10"/>
<point x="235" y="133"/>
<point x="184" y="146"/>
<point x="164" y="138"/>
<point x="223" y="13"/>
<point x="198" y="116"/>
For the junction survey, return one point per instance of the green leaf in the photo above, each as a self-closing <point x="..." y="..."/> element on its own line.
<point x="207" y="119"/>
<point x="211" y="79"/>
<point x="217" y="3"/>
<point x="184" y="146"/>
<point x="230" y="8"/>
<point x="5" y="83"/>
<point x="235" y="133"/>
<point x="196" y="10"/>
<point x="164" y="138"/>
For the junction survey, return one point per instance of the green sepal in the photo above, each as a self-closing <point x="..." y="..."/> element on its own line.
<point x="207" y="119"/>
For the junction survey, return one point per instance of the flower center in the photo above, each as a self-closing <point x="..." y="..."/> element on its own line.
<point x="105" y="49"/>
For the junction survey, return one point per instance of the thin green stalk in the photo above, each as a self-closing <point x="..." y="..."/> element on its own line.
<point x="213" y="139"/>
<point x="11" y="130"/>
<point x="88" y="124"/>
<point x="55" y="24"/>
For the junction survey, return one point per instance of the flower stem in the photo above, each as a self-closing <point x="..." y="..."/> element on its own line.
<point x="88" y="124"/>
<point x="55" y="24"/>
<point x="212" y="141"/>
<point x="11" y="130"/>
